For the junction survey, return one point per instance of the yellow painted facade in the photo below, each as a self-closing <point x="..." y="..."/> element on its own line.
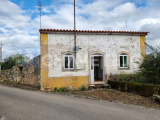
<point x="48" y="84"/>
<point x="143" y="46"/>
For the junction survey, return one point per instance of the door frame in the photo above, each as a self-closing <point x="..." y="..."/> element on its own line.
<point x="92" y="55"/>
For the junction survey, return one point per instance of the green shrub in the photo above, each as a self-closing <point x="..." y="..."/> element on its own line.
<point x="138" y="77"/>
<point x="150" y="68"/>
<point x="63" y="89"/>
<point x="11" y="61"/>
<point x="127" y="77"/>
<point x="138" y="88"/>
<point x="120" y="85"/>
<point x="38" y="87"/>
<point x="55" y="89"/>
<point x="74" y="89"/>
<point x="159" y="92"/>
<point x="82" y="88"/>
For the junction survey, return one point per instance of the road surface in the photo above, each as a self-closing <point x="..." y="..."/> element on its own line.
<point x="19" y="104"/>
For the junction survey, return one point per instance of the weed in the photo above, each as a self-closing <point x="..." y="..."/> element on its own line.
<point x="74" y="89"/>
<point x="82" y="88"/>
<point x="55" y="89"/>
<point x="63" y="89"/>
<point x="69" y="94"/>
<point x="93" y="96"/>
<point x="38" y="87"/>
<point x="127" y="103"/>
<point x="99" y="98"/>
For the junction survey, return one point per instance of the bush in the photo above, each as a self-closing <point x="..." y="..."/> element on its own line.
<point x="38" y="87"/>
<point x="55" y="89"/>
<point x="11" y="61"/>
<point x="63" y="89"/>
<point x="138" y="88"/>
<point x="82" y="88"/>
<point x="127" y="77"/>
<point x="150" y="68"/>
<point x="149" y="71"/>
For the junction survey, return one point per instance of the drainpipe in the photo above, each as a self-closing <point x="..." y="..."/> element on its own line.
<point x="75" y="35"/>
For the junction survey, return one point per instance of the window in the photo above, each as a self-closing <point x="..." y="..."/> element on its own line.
<point x="123" y="60"/>
<point x="68" y="62"/>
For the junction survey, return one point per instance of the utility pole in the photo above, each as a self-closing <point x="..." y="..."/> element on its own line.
<point x="40" y="18"/>
<point x="75" y="33"/>
<point x="40" y="11"/>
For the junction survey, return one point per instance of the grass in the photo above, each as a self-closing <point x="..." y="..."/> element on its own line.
<point x="63" y="89"/>
<point x="8" y="82"/>
<point x="82" y="88"/>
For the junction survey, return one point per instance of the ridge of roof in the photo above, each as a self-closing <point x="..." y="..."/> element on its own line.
<point x="91" y="31"/>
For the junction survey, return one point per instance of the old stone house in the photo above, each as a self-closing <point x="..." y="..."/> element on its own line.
<point x="98" y="54"/>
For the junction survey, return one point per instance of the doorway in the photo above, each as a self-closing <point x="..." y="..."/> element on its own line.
<point x="97" y="68"/>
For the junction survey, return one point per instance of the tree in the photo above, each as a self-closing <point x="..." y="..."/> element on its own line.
<point x="150" y="67"/>
<point x="11" y="61"/>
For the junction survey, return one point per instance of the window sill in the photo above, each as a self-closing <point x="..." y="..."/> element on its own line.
<point x="124" y="68"/>
<point x="68" y="70"/>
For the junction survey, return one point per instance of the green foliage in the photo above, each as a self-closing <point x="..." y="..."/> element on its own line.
<point x="38" y="87"/>
<point x="146" y="90"/>
<point x="11" y="61"/>
<point x="63" y="89"/>
<point x="136" y="77"/>
<point x="55" y="89"/>
<point x="82" y="88"/>
<point x="127" y="77"/>
<point x="150" y="68"/>
<point x="74" y="89"/>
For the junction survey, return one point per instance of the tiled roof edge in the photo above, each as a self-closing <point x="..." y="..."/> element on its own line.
<point x="92" y="31"/>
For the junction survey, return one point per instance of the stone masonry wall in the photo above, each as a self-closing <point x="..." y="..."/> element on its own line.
<point x="28" y="73"/>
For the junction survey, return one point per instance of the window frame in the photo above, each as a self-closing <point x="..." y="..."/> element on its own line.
<point x="123" y="60"/>
<point x="68" y="62"/>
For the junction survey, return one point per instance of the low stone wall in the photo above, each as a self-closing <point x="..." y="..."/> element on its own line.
<point x="28" y="73"/>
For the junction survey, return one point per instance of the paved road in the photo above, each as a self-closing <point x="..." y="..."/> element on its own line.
<point x="18" y="104"/>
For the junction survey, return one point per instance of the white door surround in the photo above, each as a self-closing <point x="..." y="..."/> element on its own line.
<point x="96" y="69"/>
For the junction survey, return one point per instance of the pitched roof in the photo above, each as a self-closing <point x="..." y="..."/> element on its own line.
<point x="92" y="31"/>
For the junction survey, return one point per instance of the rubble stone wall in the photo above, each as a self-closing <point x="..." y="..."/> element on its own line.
<point x="28" y="73"/>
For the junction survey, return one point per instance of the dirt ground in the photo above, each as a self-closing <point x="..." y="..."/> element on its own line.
<point x="114" y="96"/>
<point x="19" y="85"/>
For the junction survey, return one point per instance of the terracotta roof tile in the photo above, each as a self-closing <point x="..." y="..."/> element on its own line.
<point x="92" y="31"/>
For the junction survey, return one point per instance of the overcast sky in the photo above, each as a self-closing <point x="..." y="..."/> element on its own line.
<point x="20" y="21"/>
